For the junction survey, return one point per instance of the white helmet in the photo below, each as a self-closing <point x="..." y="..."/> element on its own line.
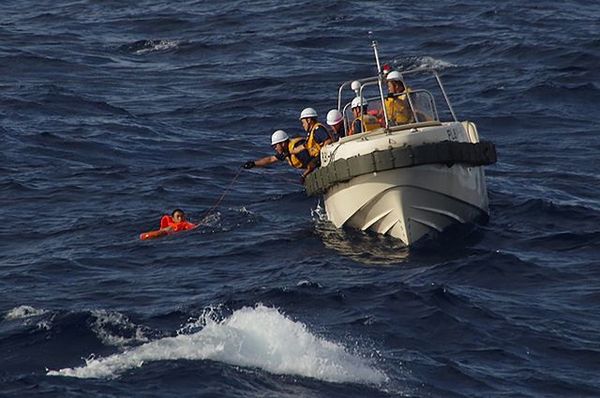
<point x="334" y="117"/>
<point x="308" y="112"/>
<point x="279" y="136"/>
<point x="394" y="76"/>
<point x="356" y="102"/>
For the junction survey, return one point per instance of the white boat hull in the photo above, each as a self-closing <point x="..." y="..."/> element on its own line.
<point x="409" y="204"/>
<point x="413" y="202"/>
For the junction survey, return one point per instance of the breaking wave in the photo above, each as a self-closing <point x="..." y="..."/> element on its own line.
<point x="142" y="47"/>
<point x="406" y="63"/>
<point x="22" y="312"/>
<point x="258" y="337"/>
<point x="115" y="329"/>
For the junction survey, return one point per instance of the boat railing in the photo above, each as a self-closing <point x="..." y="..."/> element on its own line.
<point x="374" y="103"/>
<point x="362" y="81"/>
<point x="421" y="101"/>
<point x="428" y="70"/>
<point x="423" y="106"/>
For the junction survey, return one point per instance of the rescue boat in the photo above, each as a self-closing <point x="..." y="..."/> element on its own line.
<point x="408" y="180"/>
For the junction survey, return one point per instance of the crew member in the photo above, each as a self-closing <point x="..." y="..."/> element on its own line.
<point x="396" y="103"/>
<point x="335" y="120"/>
<point x="317" y="135"/>
<point x="286" y="148"/>
<point x="362" y="122"/>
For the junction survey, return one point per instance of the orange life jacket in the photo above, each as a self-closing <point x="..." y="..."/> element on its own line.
<point x="167" y="221"/>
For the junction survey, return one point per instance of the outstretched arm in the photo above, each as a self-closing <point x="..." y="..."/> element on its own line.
<point x="262" y="162"/>
<point x="267" y="160"/>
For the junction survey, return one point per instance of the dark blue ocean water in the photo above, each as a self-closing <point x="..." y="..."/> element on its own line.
<point x="116" y="112"/>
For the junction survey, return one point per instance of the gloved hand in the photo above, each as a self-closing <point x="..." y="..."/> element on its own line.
<point x="249" y="164"/>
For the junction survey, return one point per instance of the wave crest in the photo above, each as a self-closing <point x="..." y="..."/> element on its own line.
<point x="115" y="329"/>
<point x="259" y="337"/>
<point x="142" y="47"/>
<point x="22" y="312"/>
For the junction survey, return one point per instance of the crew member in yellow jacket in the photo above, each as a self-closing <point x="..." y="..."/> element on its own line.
<point x="317" y="135"/>
<point x="286" y="148"/>
<point x="396" y="103"/>
<point x="362" y="122"/>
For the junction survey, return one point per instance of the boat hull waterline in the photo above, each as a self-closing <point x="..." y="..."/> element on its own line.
<point x="411" y="203"/>
<point x="407" y="203"/>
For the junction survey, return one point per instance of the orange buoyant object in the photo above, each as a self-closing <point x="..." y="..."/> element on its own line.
<point x="167" y="222"/>
<point x="182" y="226"/>
<point x="153" y="234"/>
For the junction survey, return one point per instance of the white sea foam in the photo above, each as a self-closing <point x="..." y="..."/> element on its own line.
<point x="430" y="62"/>
<point x="22" y="312"/>
<point x="243" y="210"/>
<point x="412" y="62"/>
<point x="259" y="337"/>
<point x="45" y="324"/>
<point x="318" y="213"/>
<point x="157" y="45"/>
<point x="211" y="219"/>
<point x="114" y="328"/>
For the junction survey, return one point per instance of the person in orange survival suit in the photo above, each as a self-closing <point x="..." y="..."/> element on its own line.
<point x="176" y="222"/>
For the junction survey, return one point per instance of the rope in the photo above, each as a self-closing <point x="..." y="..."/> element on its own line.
<point x="218" y="202"/>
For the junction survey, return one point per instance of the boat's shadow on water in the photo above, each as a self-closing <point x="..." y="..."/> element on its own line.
<point x="370" y="248"/>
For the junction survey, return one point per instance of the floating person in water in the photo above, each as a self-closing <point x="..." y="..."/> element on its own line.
<point x="176" y="222"/>
<point x="286" y="148"/>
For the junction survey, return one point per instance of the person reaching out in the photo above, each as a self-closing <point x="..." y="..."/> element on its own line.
<point x="286" y="148"/>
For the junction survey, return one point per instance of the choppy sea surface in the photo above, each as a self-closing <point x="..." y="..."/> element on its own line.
<point x="114" y="113"/>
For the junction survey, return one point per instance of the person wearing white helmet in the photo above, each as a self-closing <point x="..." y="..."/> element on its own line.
<point x="396" y="103"/>
<point x="362" y="122"/>
<point x="317" y="134"/>
<point x="395" y="83"/>
<point x="286" y="148"/>
<point x="335" y="120"/>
